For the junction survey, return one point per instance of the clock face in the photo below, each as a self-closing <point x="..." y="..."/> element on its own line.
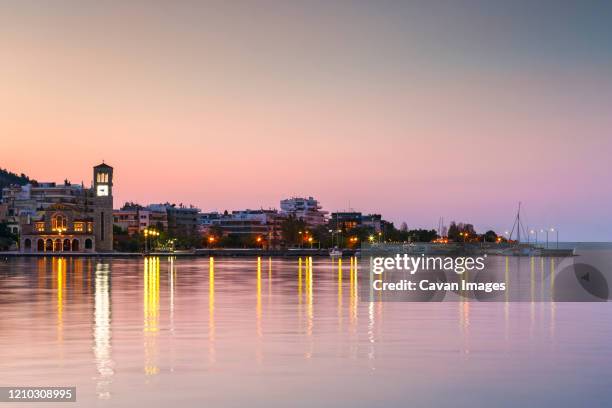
<point x="102" y="191"/>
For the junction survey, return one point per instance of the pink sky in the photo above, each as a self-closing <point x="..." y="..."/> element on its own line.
<point x="226" y="107"/>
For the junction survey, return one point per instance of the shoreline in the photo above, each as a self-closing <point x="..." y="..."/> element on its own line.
<point x="195" y="253"/>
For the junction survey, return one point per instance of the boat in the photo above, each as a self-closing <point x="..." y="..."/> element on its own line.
<point x="335" y="253"/>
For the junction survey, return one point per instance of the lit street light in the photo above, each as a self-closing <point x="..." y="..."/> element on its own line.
<point x="546" y="237"/>
<point x="557" y="232"/>
<point x="149" y="232"/>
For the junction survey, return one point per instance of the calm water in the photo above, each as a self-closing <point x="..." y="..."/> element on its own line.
<point x="249" y="332"/>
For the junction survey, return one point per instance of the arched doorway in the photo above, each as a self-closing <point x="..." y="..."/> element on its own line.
<point x="57" y="245"/>
<point x="27" y="244"/>
<point x="40" y="245"/>
<point x="48" y="245"/>
<point x="88" y="243"/>
<point x="66" y="245"/>
<point x="75" y="244"/>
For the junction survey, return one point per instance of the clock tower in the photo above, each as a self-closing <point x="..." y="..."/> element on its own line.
<point x="103" y="207"/>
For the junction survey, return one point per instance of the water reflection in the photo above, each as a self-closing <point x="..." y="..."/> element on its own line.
<point x="79" y="321"/>
<point x="340" y="294"/>
<point x="211" y="311"/>
<point x="258" y="297"/>
<point x="58" y="268"/>
<point x="309" y="308"/>
<point x="151" y="314"/>
<point x="258" y="313"/>
<point x="102" y="331"/>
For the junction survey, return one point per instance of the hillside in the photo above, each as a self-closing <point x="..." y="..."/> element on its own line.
<point x="7" y="178"/>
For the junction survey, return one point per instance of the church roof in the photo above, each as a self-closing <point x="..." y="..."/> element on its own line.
<point x="103" y="166"/>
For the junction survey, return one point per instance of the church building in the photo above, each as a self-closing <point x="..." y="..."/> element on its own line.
<point x="68" y="218"/>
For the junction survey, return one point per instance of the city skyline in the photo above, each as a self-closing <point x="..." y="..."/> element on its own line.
<point x="414" y="111"/>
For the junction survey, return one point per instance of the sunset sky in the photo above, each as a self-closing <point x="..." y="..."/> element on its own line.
<point x="415" y="110"/>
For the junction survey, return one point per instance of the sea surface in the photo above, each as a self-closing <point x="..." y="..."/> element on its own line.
<point x="238" y="332"/>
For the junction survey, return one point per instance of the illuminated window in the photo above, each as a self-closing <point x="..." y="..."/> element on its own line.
<point x="58" y="222"/>
<point x="78" y="227"/>
<point x="40" y="226"/>
<point x="90" y="227"/>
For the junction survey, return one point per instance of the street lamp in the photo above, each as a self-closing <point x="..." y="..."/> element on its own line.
<point x="149" y="232"/>
<point x="536" y="236"/>
<point x="557" y="232"/>
<point x="546" y="237"/>
<point x="146" y="239"/>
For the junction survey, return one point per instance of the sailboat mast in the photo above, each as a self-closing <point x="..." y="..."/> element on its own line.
<point x="518" y="224"/>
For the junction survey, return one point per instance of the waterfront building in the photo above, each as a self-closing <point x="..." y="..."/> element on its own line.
<point x="206" y="220"/>
<point x="66" y="217"/>
<point x="135" y="219"/>
<point x="180" y="220"/>
<point x="373" y="221"/>
<point x="127" y="220"/>
<point x="346" y="221"/>
<point x="148" y="218"/>
<point x="23" y="202"/>
<point x="306" y="209"/>
<point x="265" y="224"/>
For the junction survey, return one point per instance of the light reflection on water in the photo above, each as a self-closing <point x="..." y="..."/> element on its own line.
<point x="275" y="332"/>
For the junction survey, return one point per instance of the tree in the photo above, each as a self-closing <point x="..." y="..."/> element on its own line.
<point x="291" y="228"/>
<point x="7" y="237"/>
<point x="422" y="235"/>
<point x="490" y="236"/>
<point x="456" y="231"/>
<point x="453" y="231"/>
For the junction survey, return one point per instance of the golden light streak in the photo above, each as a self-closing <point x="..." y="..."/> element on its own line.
<point x="151" y="313"/>
<point x="212" y="355"/>
<point x="309" y="306"/>
<point x="300" y="280"/>
<point x="258" y="308"/>
<point x="60" y="271"/>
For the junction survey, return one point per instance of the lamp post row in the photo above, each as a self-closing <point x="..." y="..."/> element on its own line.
<point x="546" y="231"/>
<point x="149" y="232"/>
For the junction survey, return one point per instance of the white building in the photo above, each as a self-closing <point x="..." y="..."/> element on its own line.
<point x="306" y="209"/>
